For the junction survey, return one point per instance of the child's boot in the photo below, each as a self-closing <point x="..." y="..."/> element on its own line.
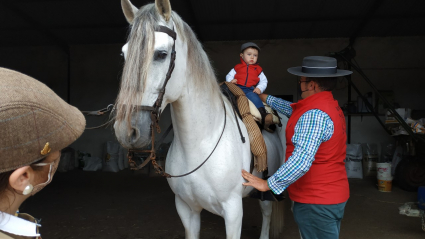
<point x="266" y="119"/>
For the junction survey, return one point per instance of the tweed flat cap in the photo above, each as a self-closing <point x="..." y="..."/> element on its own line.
<point x="34" y="121"/>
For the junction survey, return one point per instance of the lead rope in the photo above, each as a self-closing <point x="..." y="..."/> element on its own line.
<point x="101" y="112"/>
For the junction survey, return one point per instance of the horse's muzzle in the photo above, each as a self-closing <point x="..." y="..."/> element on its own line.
<point x="138" y="135"/>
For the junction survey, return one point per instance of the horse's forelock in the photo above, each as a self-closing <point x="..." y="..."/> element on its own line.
<point x="139" y="57"/>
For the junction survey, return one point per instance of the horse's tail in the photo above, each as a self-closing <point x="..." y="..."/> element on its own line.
<point x="277" y="220"/>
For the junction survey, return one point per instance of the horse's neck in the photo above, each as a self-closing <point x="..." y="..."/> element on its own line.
<point x="197" y="116"/>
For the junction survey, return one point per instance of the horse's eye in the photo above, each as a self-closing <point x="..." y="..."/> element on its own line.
<point x="160" y="55"/>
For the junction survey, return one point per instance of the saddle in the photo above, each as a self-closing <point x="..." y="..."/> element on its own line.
<point x="251" y="117"/>
<point x="257" y="116"/>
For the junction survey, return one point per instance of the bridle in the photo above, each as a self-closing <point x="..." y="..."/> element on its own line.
<point x="155" y="114"/>
<point x="155" y="111"/>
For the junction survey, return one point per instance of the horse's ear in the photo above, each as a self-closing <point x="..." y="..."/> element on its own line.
<point x="129" y="10"/>
<point x="164" y="8"/>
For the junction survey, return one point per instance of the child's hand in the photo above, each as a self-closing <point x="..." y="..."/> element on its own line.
<point x="234" y="81"/>
<point x="257" y="91"/>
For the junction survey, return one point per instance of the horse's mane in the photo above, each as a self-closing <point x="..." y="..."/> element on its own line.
<point x="139" y="57"/>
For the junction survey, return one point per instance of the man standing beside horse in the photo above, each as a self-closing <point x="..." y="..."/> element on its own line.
<point x="314" y="171"/>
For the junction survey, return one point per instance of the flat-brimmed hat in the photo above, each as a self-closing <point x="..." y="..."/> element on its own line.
<point x="318" y="66"/>
<point x="34" y="121"/>
<point x="249" y="44"/>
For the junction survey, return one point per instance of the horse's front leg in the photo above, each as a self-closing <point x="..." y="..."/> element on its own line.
<point x="191" y="218"/>
<point x="266" y="210"/>
<point x="233" y="213"/>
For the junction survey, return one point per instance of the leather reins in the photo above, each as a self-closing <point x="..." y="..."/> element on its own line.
<point x="155" y="115"/>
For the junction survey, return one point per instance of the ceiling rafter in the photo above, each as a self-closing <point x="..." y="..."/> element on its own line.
<point x="98" y="22"/>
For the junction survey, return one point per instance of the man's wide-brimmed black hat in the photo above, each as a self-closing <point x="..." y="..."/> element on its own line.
<point x="318" y="66"/>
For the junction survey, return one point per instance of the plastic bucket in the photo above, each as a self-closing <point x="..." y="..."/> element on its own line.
<point x="384" y="185"/>
<point x="383" y="171"/>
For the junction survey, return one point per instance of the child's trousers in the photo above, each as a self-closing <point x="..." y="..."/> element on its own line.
<point x="251" y="95"/>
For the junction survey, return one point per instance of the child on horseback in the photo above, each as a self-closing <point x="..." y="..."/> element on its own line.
<point x="249" y="76"/>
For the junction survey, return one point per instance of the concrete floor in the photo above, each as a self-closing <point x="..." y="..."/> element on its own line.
<point x="124" y="205"/>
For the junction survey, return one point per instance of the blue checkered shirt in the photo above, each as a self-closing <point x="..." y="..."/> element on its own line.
<point x="312" y="128"/>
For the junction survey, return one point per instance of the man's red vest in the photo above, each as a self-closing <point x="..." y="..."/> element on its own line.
<point x="247" y="75"/>
<point x="326" y="182"/>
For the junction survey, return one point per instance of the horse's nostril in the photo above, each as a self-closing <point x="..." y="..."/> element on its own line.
<point x="134" y="135"/>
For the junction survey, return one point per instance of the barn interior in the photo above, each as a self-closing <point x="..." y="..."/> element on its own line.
<point x="75" y="48"/>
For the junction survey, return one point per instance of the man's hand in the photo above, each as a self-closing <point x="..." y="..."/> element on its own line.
<point x="257" y="91"/>
<point x="256" y="182"/>
<point x="234" y="81"/>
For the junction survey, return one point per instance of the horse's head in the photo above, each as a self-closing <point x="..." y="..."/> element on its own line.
<point x="148" y="54"/>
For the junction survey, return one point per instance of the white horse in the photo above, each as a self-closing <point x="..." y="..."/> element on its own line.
<point x="198" y="117"/>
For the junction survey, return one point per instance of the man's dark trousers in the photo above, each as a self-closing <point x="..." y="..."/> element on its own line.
<point x="317" y="221"/>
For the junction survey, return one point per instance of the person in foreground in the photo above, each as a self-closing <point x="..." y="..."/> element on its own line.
<point x="35" y="124"/>
<point x="314" y="171"/>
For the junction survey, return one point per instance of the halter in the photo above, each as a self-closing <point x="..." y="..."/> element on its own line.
<point x="155" y="114"/>
<point x="155" y="110"/>
<point x="157" y="105"/>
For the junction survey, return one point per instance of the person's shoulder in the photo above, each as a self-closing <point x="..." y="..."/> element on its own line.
<point x="259" y="69"/>
<point x="316" y="111"/>
<point x="317" y="114"/>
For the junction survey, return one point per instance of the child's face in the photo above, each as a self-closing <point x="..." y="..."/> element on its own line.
<point x="250" y="55"/>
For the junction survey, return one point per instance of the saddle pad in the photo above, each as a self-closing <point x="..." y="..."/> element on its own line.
<point x="258" y="146"/>
<point x="256" y="114"/>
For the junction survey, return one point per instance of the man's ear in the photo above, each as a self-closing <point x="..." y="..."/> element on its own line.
<point x="310" y="84"/>
<point x="21" y="178"/>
